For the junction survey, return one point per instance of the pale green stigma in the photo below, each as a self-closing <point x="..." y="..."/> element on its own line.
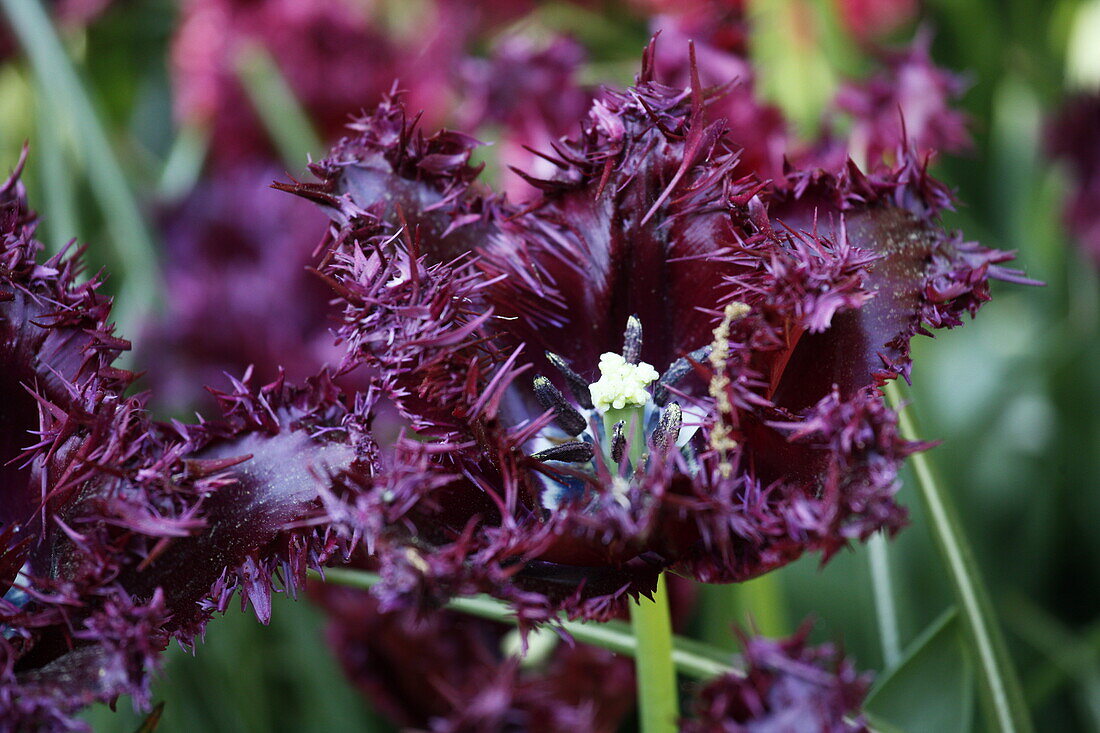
<point x="621" y="384"/>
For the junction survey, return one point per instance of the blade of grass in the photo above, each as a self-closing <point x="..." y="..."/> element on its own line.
<point x="57" y="81"/>
<point x="878" y="556"/>
<point x="274" y="101"/>
<point x="691" y="658"/>
<point x="1000" y="686"/>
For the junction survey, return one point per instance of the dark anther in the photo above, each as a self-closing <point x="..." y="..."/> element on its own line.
<point x="632" y="340"/>
<point x="677" y="371"/>
<point x="668" y="429"/>
<point x="578" y="385"/>
<point x="618" y="441"/>
<point x="568" y="419"/>
<point x="572" y="452"/>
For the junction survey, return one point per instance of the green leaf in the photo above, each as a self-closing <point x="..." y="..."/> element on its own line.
<point x="932" y="688"/>
<point x="1001" y="694"/>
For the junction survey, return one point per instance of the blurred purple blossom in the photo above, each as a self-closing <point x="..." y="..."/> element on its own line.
<point x="445" y="671"/>
<point x="787" y="685"/>
<point x="239" y="294"/>
<point x="868" y="21"/>
<point x="1073" y="137"/>
<point x="531" y="91"/>
<point x="337" y="56"/>
<point x="907" y="103"/>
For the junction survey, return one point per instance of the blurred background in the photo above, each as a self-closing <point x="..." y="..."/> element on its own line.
<point x="155" y="128"/>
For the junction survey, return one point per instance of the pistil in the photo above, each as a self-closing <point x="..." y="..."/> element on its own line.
<point x="620" y="395"/>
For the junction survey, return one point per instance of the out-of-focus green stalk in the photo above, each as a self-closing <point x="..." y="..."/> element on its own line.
<point x="658" y="702"/>
<point x="1000" y="686"/>
<point x="878" y="556"/>
<point x="692" y="658"/>
<point x="758" y="605"/>
<point x="789" y="55"/>
<point x="278" y="108"/>
<point x="761" y="601"/>
<point x="59" y="83"/>
<point x="59" y="198"/>
<point x="184" y="164"/>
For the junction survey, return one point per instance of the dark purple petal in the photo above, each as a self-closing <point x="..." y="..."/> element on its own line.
<point x="56" y="345"/>
<point x="921" y="275"/>
<point x="387" y="171"/>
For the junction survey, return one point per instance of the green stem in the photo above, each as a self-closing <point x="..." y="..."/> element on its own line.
<point x="878" y="555"/>
<point x="658" y="701"/>
<point x="1000" y="686"/>
<point x="278" y="108"/>
<point x="691" y="658"/>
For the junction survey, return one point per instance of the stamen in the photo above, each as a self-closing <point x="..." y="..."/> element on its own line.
<point x="632" y="340"/>
<point x="577" y="384"/>
<point x="668" y="429"/>
<point x="621" y="385"/>
<point x="571" y="452"/>
<point x="677" y="371"/>
<point x="618" y="442"/>
<point x="568" y="419"/>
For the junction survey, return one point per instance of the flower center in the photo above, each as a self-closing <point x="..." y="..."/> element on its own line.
<point x="617" y="416"/>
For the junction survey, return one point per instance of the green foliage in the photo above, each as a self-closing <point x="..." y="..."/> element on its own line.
<point x="932" y="687"/>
